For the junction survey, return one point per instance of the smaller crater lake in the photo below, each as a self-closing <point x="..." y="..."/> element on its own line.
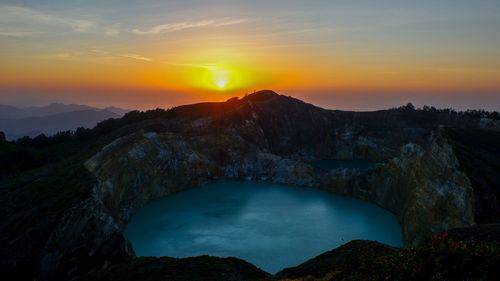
<point x="272" y="226"/>
<point x="353" y="164"/>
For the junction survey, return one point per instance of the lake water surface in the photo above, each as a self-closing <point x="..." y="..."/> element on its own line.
<point x="272" y="226"/>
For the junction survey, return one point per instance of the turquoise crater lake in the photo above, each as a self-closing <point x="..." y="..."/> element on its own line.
<point x="272" y="226"/>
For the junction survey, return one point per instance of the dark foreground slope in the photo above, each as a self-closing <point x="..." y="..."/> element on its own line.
<point x="63" y="215"/>
<point x="195" y="268"/>
<point x="442" y="258"/>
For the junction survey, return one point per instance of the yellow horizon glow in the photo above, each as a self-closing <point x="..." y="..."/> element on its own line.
<point x="206" y="72"/>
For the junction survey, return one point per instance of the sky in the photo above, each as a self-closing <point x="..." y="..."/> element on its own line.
<point x="345" y="54"/>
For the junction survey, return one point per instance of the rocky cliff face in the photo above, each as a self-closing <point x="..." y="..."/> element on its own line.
<point x="420" y="181"/>
<point x="264" y="137"/>
<point x="138" y="168"/>
<point x="423" y="184"/>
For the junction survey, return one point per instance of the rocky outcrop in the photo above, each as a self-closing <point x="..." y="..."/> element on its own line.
<point x="423" y="185"/>
<point x="86" y="238"/>
<point x="440" y="196"/>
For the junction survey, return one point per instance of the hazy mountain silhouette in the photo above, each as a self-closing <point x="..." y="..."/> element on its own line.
<point x="51" y="124"/>
<point x="31" y="121"/>
<point x="13" y="112"/>
<point x="7" y="111"/>
<point x="117" y="110"/>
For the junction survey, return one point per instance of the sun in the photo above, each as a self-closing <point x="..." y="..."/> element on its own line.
<point x="221" y="77"/>
<point x="221" y="83"/>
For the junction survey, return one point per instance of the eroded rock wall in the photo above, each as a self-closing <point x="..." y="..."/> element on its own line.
<point x="423" y="184"/>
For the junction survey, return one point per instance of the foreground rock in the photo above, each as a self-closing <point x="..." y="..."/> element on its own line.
<point x="359" y="259"/>
<point x="202" y="268"/>
<point x="441" y="258"/>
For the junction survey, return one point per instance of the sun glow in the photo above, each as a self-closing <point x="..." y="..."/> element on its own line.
<point x="217" y="77"/>
<point x="220" y="76"/>
<point x="221" y="83"/>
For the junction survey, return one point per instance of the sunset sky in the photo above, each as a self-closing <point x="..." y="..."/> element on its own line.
<point x="360" y="54"/>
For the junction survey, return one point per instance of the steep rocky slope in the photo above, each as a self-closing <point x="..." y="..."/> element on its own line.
<point x="442" y="258"/>
<point x="420" y="176"/>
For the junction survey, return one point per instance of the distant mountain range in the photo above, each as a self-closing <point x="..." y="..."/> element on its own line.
<point x="17" y="122"/>
<point x="12" y="112"/>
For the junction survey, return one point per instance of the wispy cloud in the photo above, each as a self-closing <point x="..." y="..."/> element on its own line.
<point x="17" y="33"/>
<point x="22" y="21"/>
<point x="177" y="26"/>
<point x="136" y="57"/>
<point x="194" y="65"/>
<point x="91" y="54"/>
<point x="111" y="31"/>
<point x="230" y="22"/>
<point x="64" y="55"/>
